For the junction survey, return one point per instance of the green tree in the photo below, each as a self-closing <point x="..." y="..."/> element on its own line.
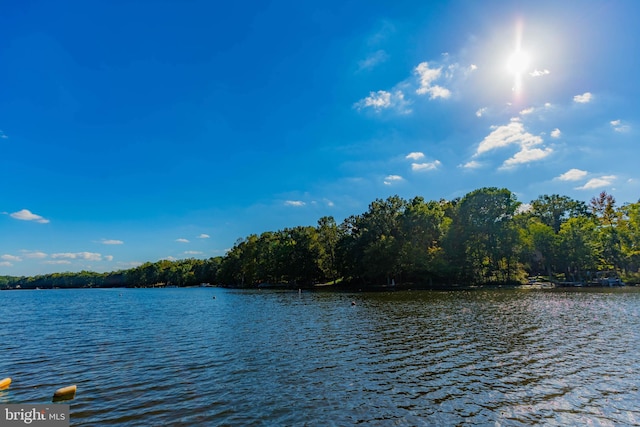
<point x="603" y="207"/>
<point x="483" y="242"/>
<point x="554" y="210"/>
<point x="423" y="226"/>
<point x="579" y="247"/>
<point x="629" y="229"/>
<point x="328" y="237"/>
<point x="543" y="245"/>
<point x="370" y="246"/>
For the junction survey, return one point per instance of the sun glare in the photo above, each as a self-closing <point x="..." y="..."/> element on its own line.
<point x="518" y="62"/>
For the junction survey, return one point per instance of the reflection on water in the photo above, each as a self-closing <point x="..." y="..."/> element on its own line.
<point x="181" y="357"/>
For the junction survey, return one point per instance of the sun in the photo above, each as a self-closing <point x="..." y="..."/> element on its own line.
<point x="518" y="62"/>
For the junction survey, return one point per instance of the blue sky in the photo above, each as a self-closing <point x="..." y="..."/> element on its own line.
<point x="134" y="131"/>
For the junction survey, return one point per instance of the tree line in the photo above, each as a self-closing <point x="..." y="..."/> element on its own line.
<point x="187" y="272"/>
<point x="485" y="237"/>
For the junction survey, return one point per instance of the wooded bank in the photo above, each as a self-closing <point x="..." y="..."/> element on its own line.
<point x="485" y="237"/>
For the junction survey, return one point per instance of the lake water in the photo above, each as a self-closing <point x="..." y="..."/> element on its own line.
<point x="180" y="357"/>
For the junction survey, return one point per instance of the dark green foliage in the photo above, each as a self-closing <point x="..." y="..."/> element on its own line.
<point x="188" y="272"/>
<point x="484" y="237"/>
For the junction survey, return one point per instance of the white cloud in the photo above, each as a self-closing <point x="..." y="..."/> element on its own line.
<point x="2" y="135"/>
<point x="108" y="258"/>
<point x="34" y="254"/>
<point x="382" y="100"/>
<point x="416" y="155"/>
<point x="527" y="155"/>
<point x="583" y="99"/>
<point x="203" y="236"/>
<point x="26" y="215"/>
<point x="376" y="100"/>
<point x="88" y="256"/>
<point x="539" y="73"/>
<point x="473" y="164"/>
<point x="392" y="178"/>
<point x="425" y="166"/>
<point x="438" y="92"/>
<point x="111" y="242"/>
<point x="527" y="111"/>
<point x="193" y="253"/>
<point x="556" y="133"/>
<point x="603" y="181"/>
<point x="5" y="264"/>
<point x="572" y="175"/>
<point x="12" y="258"/>
<point x="182" y="240"/>
<point x="294" y="203"/>
<point x="503" y="136"/>
<point x="514" y="134"/>
<point x="481" y="111"/>
<point x="58" y="262"/>
<point x="618" y="126"/>
<point x="473" y="67"/>
<point x="427" y="77"/>
<point x="372" y="60"/>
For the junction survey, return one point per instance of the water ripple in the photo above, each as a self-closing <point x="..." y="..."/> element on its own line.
<point x="252" y="358"/>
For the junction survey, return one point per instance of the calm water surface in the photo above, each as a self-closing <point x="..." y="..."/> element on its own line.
<point x="180" y="357"/>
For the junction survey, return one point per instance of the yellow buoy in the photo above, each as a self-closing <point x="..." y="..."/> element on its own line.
<point x="64" y="393"/>
<point x="5" y="383"/>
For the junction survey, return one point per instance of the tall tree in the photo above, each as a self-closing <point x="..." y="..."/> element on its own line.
<point x="603" y="207"/>
<point x="554" y="210"/>
<point x="371" y="242"/>
<point x="328" y="237"/>
<point x="629" y="229"/>
<point x="423" y="226"/>
<point x="579" y="247"/>
<point x="483" y="240"/>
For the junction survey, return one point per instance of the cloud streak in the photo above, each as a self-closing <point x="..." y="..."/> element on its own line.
<point x="539" y="73"/>
<point x="86" y="256"/>
<point x="390" y="179"/>
<point x="415" y="155"/>
<point x="429" y="166"/>
<point x="373" y="60"/>
<point x="384" y="100"/>
<point x="572" y="175"/>
<point x="27" y="215"/>
<point x="618" y="126"/>
<point x="594" y="183"/>
<point x="111" y="242"/>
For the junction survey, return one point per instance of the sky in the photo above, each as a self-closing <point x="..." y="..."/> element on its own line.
<point x="136" y="131"/>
